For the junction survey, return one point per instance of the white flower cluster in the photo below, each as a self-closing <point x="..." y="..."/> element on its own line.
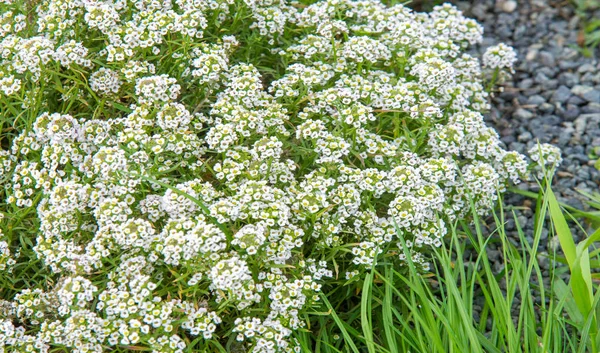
<point x="547" y="158"/>
<point x="7" y="260"/>
<point x="197" y="168"/>
<point x="105" y="82"/>
<point x="500" y="56"/>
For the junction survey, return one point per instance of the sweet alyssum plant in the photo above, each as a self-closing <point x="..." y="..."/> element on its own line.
<point x="184" y="174"/>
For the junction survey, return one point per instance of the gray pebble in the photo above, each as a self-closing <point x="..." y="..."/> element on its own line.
<point x="525" y="137"/>
<point x="546" y="108"/>
<point x="508" y="139"/>
<point x="571" y="112"/>
<point x="536" y="100"/>
<point x="586" y="68"/>
<point x="576" y="100"/>
<point x="580" y="90"/>
<point x="522" y="220"/>
<point x="522" y="114"/>
<point x="550" y="84"/>
<point x="580" y="158"/>
<point x="494" y="255"/>
<point x="582" y="121"/>
<point x="548" y="71"/>
<point x="588" y="78"/>
<point x="533" y="90"/>
<point x="568" y="65"/>
<point x="525" y="84"/>
<point x="540" y="77"/>
<point x="568" y="79"/>
<point x="553" y="244"/>
<point x="561" y="94"/>
<point x="508" y="95"/>
<point x="547" y="59"/>
<point x="543" y="261"/>
<point x="592" y="96"/>
<point x="591" y="108"/>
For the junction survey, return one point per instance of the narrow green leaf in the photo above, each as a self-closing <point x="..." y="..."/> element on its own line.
<point x="340" y="324"/>
<point x="365" y="312"/>
<point x="388" y="321"/>
<point x="577" y="258"/>
<point x="562" y="228"/>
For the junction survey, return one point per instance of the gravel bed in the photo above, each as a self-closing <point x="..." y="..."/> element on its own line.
<point x="554" y="97"/>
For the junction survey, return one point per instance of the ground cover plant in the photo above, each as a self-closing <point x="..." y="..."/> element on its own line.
<point x="590" y="31"/>
<point x="202" y="175"/>
<point x="468" y="305"/>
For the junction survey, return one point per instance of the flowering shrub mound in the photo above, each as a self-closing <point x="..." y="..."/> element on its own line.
<point x="189" y="175"/>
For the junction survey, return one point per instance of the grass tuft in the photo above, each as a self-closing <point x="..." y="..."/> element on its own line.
<point x="467" y="304"/>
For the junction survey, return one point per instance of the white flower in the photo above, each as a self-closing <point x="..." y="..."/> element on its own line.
<point x="105" y="82"/>
<point x="547" y="158"/>
<point x="500" y="56"/>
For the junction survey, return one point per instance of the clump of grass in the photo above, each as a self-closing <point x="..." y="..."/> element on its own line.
<point x="590" y="28"/>
<point x="525" y="309"/>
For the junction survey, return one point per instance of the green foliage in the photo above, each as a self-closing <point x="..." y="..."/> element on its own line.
<point x="259" y="176"/>
<point x="524" y="308"/>
<point x="590" y="26"/>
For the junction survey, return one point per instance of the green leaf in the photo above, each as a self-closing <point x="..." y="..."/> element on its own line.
<point x="388" y="320"/>
<point x="577" y="257"/>
<point x="340" y="324"/>
<point x="365" y="312"/>
<point x="564" y="296"/>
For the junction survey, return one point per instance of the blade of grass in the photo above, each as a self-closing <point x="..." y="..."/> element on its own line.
<point x="365" y="312"/>
<point x="388" y="321"/>
<point x="340" y="324"/>
<point x="578" y="260"/>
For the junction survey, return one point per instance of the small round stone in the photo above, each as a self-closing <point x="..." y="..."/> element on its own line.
<point x="508" y="6"/>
